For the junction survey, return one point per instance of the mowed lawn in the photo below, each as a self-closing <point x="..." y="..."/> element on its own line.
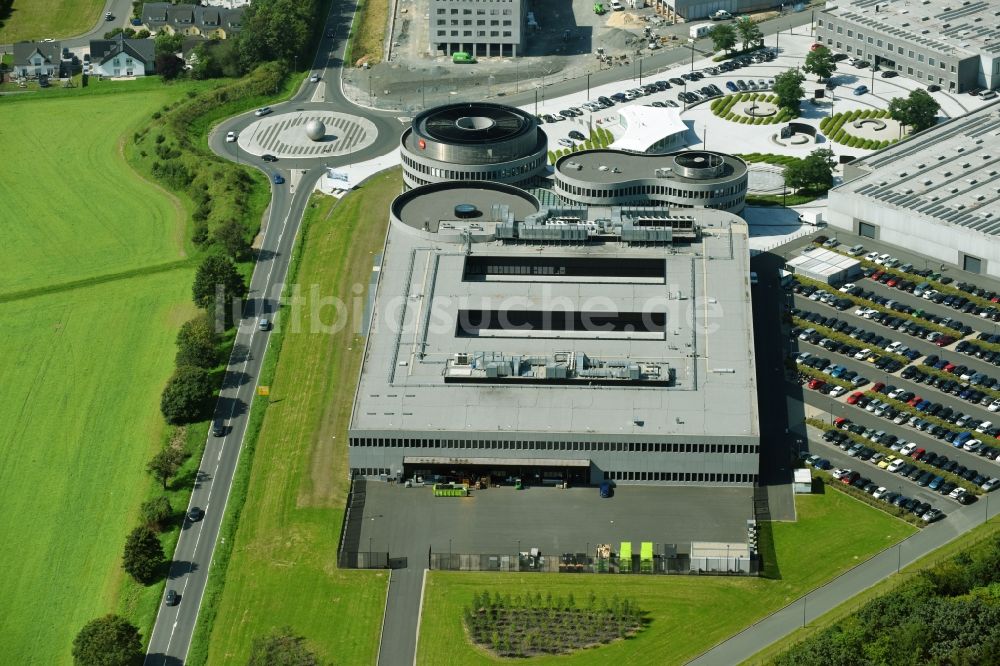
<point x="72" y="207"/>
<point x="39" y="19"/>
<point x="688" y="614"/>
<point x="82" y="375"/>
<point x="283" y="567"/>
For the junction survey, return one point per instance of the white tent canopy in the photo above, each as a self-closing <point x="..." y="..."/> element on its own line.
<point x="646" y="126"/>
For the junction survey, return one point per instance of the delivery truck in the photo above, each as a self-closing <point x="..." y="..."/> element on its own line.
<point x="700" y="30"/>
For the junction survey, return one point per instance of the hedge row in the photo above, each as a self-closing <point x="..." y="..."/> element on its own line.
<point x="723" y="107"/>
<point x="833" y="127"/>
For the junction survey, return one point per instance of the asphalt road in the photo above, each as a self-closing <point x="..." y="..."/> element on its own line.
<point x="120" y="9"/>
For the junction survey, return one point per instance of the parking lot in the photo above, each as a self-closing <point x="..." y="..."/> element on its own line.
<point x="900" y="372"/>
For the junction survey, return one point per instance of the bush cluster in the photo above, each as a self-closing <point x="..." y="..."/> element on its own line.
<point x="526" y="626"/>
<point x="837" y="128"/>
<point x="724" y="108"/>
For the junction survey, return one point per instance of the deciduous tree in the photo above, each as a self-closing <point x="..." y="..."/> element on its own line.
<point x="819" y="61"/>
<point x="749" y="33"/>
<point x="918" y="110"/>
<point x="723" y="37"/>
<point x="217" y="276"/>
<point x="156" y="512"/>
<point x="143" y="554"/>
<point x="788" y="89"/>
<point x="107" y="641"/>
<point x="198" y="343"/>
<point x="231" y="236"/>
<point x="186" y="395"/>
<point x="165" y="464"/>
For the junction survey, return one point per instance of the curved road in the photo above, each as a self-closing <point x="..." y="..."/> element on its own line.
<point x="189" y="570"/>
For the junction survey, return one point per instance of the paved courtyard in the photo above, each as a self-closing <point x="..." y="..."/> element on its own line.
<point x="284" y="135"/>
<point x="498" y="520"/>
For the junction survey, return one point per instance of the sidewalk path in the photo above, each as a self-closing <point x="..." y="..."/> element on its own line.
<point x="824" y="599"/>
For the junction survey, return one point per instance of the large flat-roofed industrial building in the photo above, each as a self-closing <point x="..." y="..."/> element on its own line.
<point x="951" y="43"/>
<point x="937" y="194"/>
<point x="571" y="344"/>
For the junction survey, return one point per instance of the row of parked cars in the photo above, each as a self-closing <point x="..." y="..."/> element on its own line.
<point x="739" y="85"/>
<point x="924" y="510"/>
<point x="901" y="464"/>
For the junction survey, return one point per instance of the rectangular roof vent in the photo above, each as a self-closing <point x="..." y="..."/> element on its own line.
<point x="928" y="182"/>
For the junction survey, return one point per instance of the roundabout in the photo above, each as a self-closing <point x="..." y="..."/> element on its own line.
<point x="310" y="133"/>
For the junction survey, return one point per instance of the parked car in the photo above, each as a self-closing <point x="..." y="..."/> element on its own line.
<point x="861" y="90"/>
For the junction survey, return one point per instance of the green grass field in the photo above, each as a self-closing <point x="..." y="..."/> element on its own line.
<point x="283" y="567"/>
<point x="40" y="19"/>
<point x="84" y="362"/>
<point x="73" y="209"/>
<point x="688" y="614"/>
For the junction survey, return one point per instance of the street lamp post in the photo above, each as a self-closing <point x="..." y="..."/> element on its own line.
<point x="588" y="86"/>
<point x="874" y="69"/>
<point x="640" y="72"/>
<point x="691" y="42"/>
<point x="536" y="101"/>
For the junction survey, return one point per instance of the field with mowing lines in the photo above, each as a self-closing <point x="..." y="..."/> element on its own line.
<point x="73" y="208"/>
<point x="39" y="19"/>
<point x="283" y="567"/>
<point x="688" y="614"/>
<point x="96" y="285"/>
<point x="83" y="372"/>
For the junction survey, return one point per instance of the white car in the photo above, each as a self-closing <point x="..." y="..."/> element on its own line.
<point x="837" y="391"/>
<point x="956" y="493"/>
<point x="882" y="259"/>
<point x="896" y="465"/>
<point x="908" y="449"/>
<point x="880" y="492"/>
<point x="863" y="354"/>
<point x="990" y="484"/>
<point x="972" y="445"/>
<point x="847" y="287"/>
<point x="994" y="406"/>
<point x="930" y="293"/>
<point x="231" y="137"/>
<point x="894" y="346"/>
<point x="314" y="78"/>
<point x="616" y="6"/>
<point x="984" y="426"/>
<point x="262" y="111"/>
<point x="871" y="256"/>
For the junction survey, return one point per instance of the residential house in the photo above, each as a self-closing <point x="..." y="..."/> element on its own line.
<point x="123" y="57"/>
<point x="192" y="20"/>
<point x="32" y="59"/>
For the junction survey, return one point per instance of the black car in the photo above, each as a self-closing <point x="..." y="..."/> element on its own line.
<point x="267" y="157"/>
<point x="218" y="428"/>
<point x="577" y="135"/>
<point x="888" y="74"/>
<point x="933" y="87"/>
<point x="606" y="101"/>
<point x="676" y="81"/>
<point x="172" y="598"/>
<point x="661" y="85"/>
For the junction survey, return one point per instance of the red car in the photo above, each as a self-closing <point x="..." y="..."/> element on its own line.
<point x="948" y="367"/>
<point x="891" y="282"/>
<point x="841" y="422"/>
<point x="917" y="453"/>
<point x="914" y="400"/>
<point x="816" y="384"/>
<point x="877" y="274"/>
<point x="878" y="386"/>
<point x="815" y="47"/>
<point x="854" y="397"/>
<point x="944" y="341"/>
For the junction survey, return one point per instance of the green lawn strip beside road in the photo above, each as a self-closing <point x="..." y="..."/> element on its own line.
<point x="278" y="566"/>
<point x="780" y="199"/>
<point x="687" y="614"/>
<point x="99" y="217"/>
<point x="41" y="19"/>
<point x="886" y="451"/>
<point x="367" y="37"/>
<point x="969" y="540"/>
<point x="856" y="493"/>
<point x="83" y="372"/>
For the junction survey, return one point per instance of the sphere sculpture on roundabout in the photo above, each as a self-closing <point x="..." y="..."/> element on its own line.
<point x="315" y="130"/>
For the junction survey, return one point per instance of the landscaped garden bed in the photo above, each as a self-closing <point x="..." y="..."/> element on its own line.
<point x="839" y="128"/>
<point x="734" y="108"/>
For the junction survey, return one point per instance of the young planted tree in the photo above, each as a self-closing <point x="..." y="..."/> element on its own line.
<point x="723" y="37"/>
<point x="143" y="554"/>
<point x="820" y="62"/>
<point x="164" y="465"/>
<point x="282" y="647"/>
<point x="107" y="641"/>
<point x="788" y="89"/>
